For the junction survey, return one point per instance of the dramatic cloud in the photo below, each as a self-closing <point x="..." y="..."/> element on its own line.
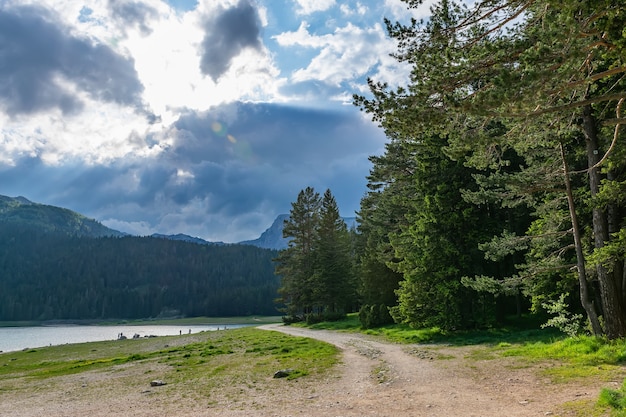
<point x="44" y="67"/>
<point x="228" y="173"/>
<point x="227" y="34"/>
<point x="344" y="58"/>
<point x="204" y="117"/>
<point x="311" y="6"/>
<point x="133" y="14"/>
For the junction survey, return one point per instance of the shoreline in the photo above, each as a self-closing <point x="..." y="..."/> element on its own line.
<point x="198" y="321"/>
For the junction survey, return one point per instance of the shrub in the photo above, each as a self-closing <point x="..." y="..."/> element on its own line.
<point x="374" y="315"/>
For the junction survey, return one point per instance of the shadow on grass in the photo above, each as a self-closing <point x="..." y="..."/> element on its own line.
<point x="514" y="331"/>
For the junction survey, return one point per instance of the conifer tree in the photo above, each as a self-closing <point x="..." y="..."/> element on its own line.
<point x="296" y="264"/>
<point x="335" y="289"/>
<point x="316" y="268"/>
<point x="544" y="82"/>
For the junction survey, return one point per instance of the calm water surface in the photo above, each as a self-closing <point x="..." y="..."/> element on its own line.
<point x="19" y="338"/>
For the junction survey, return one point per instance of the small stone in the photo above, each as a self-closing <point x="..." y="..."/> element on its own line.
<point x="157" y="383"/>
<point x="283" y="373"/>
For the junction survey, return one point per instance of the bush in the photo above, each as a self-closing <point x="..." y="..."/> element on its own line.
<point x="374" y="315"/>
<point x="314" y="318"/>
<point x="334" y="315"/>
<point x="287" y="320"/>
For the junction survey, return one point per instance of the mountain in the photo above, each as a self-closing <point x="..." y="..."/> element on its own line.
<point x="20" y="210"/>
<point x="51" y="219"/>
<point x="56" y="264"/>
<point x="272" y="238"/>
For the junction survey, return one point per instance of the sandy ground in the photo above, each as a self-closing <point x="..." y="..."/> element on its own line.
<point x="374" y="378"/>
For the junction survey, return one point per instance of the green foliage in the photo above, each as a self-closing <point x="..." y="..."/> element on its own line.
<point x="564" y="320"/>
<point x="296" y="264"/>
<point x="375" y="315"/>
<point x="504" y="99"/>
<point x="316" y="268"/>
<point x="615" y="400"/>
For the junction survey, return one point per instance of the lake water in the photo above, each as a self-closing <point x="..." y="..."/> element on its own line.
<point x="19" y="338"/>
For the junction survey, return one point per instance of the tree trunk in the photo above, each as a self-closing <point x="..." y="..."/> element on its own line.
<point x="613" y="311"/>
<point x="596" y="328"/>
<point x="619" y="272"/>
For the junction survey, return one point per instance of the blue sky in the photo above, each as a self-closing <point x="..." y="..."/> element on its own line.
<point x="199" y="117"/>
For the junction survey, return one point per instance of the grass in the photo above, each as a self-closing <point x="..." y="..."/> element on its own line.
<point x="203" y="365"/>
<point x="517" y="332"/>
<point x="613" y="400"/>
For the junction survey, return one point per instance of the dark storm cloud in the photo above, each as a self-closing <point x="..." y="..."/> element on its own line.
<point x="229" y="172"/>
<point x="35" y="49"/>
<point x="274" y="150"/>
<point x="227" y="34"/>
<point x="132" y="13"/>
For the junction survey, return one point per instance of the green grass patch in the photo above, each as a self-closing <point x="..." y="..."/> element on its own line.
<point x="584" y="350"/>
<point x="208" y="359"/>
<point x="350" y="323"/>
<point x="613" y="400"/>
<point x="519" y="331"/>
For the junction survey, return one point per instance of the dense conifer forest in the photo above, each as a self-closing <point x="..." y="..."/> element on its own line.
<point x="502" y="186"/>
<point x="58" y="276"/>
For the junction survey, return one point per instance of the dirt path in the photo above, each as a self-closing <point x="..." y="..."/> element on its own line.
<point x="384" y="379"/>
<point x="373" y="379"/>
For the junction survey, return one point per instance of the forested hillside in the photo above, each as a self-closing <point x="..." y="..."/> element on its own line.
<point x="21" y="211"/>
<point x="47" y="275"/>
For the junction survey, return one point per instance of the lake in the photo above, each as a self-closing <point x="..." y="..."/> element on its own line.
<point x="19" y="338"/>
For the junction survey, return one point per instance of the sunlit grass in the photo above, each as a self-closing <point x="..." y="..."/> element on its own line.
<point x="613" y="400"/>
<point x="199" y="365"/>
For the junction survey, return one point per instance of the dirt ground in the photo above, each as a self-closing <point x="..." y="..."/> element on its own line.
<point x="374" y="378"/>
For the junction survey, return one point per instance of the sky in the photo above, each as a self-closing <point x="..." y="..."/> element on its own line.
<point x="202" y="117"/>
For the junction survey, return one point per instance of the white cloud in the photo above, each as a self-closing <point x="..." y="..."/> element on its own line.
<point x="103" y="132"/>
<point x="311" y="6"/>
<point x="348" y="53"/>
<point x="400" y="11"/>
<point x="140" y="228"/>
<point x="301" y="37"/>
<point x="359" y="9"/>
<point x="175" y="173"/>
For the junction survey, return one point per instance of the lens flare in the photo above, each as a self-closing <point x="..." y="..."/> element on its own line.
<point x="218" y="128"/>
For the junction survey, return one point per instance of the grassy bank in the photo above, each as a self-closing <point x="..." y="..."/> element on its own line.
<point x="207" y="366"/>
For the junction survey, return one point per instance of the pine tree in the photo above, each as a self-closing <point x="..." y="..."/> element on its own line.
<point x="334" y="286"/>
<point x="296" y="264"/>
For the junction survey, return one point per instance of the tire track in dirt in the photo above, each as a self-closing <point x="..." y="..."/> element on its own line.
<point x="377" y="378"/>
